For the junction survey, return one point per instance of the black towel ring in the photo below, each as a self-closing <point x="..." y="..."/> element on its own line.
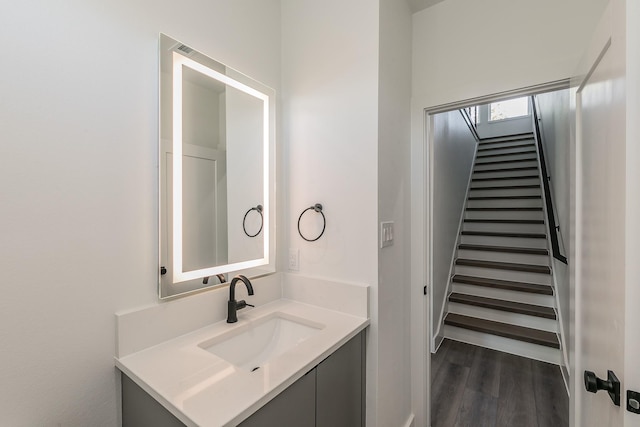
<point x="318" y="208"/>
<point x="244" y="220"/>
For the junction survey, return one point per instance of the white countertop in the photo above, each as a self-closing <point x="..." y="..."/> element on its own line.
<point x="204" y="390"/>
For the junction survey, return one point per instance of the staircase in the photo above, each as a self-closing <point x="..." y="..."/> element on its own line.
<point x="501" y="293"/>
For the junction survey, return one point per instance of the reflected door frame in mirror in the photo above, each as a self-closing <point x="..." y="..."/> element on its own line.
<point x="247" y="158"/>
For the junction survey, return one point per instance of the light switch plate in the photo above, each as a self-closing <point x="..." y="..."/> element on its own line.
<point x="386" y="233"/>
<point x="294" y="259"/>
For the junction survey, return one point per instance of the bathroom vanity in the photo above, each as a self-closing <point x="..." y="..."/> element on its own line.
<point x="296" y="359"/>
<point x="331" y="395"/>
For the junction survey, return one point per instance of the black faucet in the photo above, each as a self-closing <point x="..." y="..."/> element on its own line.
<point x="233" y="305"/>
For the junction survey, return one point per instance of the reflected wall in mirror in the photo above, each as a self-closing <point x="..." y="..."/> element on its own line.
<point x="216" y="172"/>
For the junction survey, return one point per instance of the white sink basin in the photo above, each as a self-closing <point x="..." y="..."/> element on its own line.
<point x="252" y="345"/>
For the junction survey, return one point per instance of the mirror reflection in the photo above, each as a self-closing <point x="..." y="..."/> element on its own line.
<point x="215" y="176"/>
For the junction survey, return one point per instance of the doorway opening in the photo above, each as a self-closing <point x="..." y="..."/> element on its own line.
<point x="486" y="228"/>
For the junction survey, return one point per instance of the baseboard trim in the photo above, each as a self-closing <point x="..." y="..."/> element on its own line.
<point x="565" y="377"/>
<point x="437" y="342"/>
<point x="409" y="422"/>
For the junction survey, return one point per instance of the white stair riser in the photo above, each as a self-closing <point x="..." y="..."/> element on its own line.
<point x="526" y="146"/>
<point x="505" y="142"/>
<point x="504" y="294"/>
<point x="507" y="345"/>
<point x="504" y="174"/>
<point x="506" y="182"/>
<point x="509" y="165"/>
<point x="517" y="192"/>
<point x="491" y="156"/>
<point x="504" y="257"/>
<point x="520" y="242"/>
<point x="505" y="203"/>
<point x="504" y="227"/>
<point x="533" y="215"/>
<point x="519" y="319"/>
<point x="495" y="273"/>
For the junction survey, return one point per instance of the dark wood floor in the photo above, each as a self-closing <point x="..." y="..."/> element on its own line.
<point x="477" y="387"/>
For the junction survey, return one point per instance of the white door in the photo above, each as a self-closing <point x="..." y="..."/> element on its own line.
<point x="606" y="254"/>
<point x="199" y="212"/>
<point x="204" y="206"/>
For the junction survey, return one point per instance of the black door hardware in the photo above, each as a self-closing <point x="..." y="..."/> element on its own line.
<point x="612" y="385"/>
<point x="633" y="401"/>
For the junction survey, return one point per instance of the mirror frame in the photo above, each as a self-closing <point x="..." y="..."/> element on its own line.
<point x="182" y="282"/>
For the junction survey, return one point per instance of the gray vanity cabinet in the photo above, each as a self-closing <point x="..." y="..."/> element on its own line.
<point x="139" y="409"/>
<point x="330" y="395"/>
<point x="340" y="387"/>
<point x="294" y="407"/>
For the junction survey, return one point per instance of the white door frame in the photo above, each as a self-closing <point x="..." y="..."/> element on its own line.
<point x="421" y="238"/>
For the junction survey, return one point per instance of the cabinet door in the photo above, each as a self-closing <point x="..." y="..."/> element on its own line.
<point x="294" y="407"/>
<point x="339" y="387"/>
<point x="139" y="409"/>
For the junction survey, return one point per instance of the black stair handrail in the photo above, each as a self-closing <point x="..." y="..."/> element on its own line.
<point x="553" y="228"/>
<point x="472" y="122"/>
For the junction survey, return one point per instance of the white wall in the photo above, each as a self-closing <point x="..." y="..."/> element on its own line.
<point x="330" y="133"/>
<point x="79" y="183"/>
<point x="330" y="108"/>
<point x="468" y="48"/>
<point x="554" y="112"/>
<point x="554" y="125"/>
<point x="394" y="288"/>
<point x="347" y="136"/>
<point x="245" y="172"/>
<point x="453" y="152"/>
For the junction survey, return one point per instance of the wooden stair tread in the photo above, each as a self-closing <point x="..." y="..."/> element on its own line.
<point x="505" y="234"/>
<point x="517" y="153"/>
<point x="485" y="149"/>
<point x="508" y="285"/>
<point x="530" y="268"/>
<point x="504" y="209"/>
<point x="506" y="221"/>
<point x="506" y="178"/>
<point x="508" y="249"/>
<point x="524" y="168"/>
<point x="503" y="197"/>
<point x="496" y="162"/>
<point x="502" y="305"/>
<point x="506" y="187"/>
<point x="521" y="333"/>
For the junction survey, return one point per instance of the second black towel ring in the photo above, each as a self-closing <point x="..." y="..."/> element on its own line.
<point x="318" y="208"/>
<point x="244" y="221"/>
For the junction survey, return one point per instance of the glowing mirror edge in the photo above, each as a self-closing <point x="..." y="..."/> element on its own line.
<point x="178" y="275"/>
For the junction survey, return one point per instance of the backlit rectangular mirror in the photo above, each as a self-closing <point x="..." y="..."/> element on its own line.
<point x="217" y="142"/>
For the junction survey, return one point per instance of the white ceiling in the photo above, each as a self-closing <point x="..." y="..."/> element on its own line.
<point x="418" y="5"/>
